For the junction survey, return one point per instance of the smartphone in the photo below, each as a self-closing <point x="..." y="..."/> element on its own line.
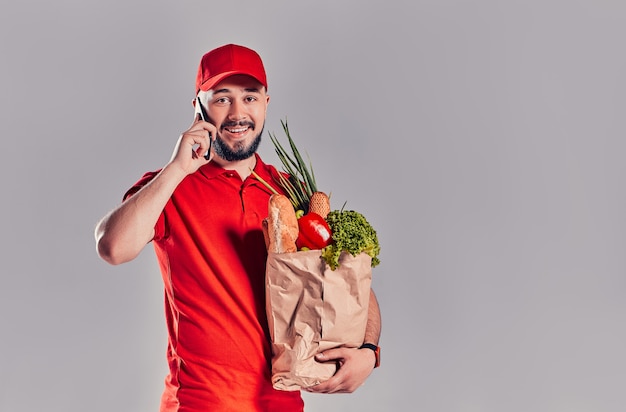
<point x="203" y="116"/>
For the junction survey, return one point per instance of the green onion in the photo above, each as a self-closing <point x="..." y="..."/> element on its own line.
<point x="300" y="183"/>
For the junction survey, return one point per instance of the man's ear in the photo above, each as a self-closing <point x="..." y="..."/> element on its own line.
<point x="267" y="102"/>
<point x="196" y="114"/>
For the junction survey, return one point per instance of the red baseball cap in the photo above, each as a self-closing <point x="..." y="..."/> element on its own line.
<point x="226" y="61"/>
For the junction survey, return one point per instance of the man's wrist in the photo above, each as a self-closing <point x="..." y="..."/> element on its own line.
<point x="375" y="349"/>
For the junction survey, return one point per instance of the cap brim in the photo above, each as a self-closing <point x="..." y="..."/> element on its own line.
<point x="209" y="84"/>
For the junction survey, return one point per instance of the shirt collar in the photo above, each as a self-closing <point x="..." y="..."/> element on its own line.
<point x="267" y="172"/>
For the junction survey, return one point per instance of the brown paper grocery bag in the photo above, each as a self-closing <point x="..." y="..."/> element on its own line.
<point x="311" y="308"/>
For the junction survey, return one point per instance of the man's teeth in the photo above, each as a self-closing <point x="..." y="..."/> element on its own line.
<point x="240" y="130"/>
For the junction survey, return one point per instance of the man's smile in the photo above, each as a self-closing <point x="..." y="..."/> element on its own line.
<point x="237" y="128"/>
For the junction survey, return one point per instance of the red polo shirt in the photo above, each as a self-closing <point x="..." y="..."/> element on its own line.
<point x="211" y="252"/>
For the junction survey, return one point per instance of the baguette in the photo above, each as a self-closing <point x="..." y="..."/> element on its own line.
<point x="282" y="225"/>
<point x="266" y="235"/>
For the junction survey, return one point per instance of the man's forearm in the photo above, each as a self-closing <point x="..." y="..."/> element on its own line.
<point x="373" y="327"/>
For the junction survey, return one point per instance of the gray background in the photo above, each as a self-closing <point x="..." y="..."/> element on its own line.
<point x="483" y="139"/>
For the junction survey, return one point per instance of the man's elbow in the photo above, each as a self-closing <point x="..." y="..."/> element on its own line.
<point x="113" y="252"/>
<point x="107" y="253"/>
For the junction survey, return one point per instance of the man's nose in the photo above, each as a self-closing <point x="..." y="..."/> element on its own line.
<point x="237" y="111"/>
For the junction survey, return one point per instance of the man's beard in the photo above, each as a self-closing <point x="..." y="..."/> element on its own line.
<point x="239" y="152"/>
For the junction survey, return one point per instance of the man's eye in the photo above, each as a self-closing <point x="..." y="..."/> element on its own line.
<point x="222" y="100"/>
<point x="251" y="99"/>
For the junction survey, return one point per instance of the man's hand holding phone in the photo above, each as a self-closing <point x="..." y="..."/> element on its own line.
<point x="193" y="148"/>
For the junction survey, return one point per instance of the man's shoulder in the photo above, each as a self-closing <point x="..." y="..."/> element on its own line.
<point x="144" y="180"/>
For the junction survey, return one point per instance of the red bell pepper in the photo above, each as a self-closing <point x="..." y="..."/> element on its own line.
<point x="314" y="232"/>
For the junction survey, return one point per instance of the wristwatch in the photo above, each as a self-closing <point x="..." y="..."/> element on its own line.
<point x="376" y="350"/>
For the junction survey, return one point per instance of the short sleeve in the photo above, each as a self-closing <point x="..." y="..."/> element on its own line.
<point x="160" y="230"/>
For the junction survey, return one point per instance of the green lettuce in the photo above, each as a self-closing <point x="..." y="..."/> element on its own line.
<point x="351" y="233"/>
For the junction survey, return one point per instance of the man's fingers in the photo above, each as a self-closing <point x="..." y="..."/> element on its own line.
<point x="331" y="354"/>
<point x="202" y="145"/>
<point x="332" y="385"/>
<point x="199" y="137"/>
